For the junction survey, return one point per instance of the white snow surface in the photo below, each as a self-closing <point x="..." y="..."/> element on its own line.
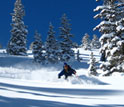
<point x="26" y="84"/>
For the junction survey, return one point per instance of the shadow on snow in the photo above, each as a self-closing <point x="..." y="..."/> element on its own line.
<point x="14" y="102"/>
<point x="22" y="102"/>
<point x="88" y="92"/>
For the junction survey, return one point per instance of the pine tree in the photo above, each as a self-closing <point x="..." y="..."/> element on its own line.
<point x="38" y="49"/>
<point x="112" y="42"/>
<point x="66" y="44"/>
<point x="92" y="67"/>
<point x="17" y="43"/>
<point x="86" y="42"/>
<point x="51" y="46"/>
<point x="95" y="44"/>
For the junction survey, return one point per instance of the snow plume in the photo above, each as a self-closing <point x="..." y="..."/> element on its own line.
<point x="14" y="73"/>
<point x="48" y="76"/>
<point x="45" y="75"/>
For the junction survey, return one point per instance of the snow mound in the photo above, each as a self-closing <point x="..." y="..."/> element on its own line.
<point x="91" y="80"/>
<point x="83" y="79"/>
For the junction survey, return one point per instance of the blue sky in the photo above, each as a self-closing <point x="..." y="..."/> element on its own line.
<point x="40" y="12"/>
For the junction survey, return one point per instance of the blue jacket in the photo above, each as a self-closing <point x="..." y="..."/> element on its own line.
<point x="67" y="73"/>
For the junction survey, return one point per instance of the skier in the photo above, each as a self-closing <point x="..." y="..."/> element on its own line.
<point x="67" y="71"/>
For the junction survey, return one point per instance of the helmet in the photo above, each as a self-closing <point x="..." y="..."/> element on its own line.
<point x="65" y="64"/>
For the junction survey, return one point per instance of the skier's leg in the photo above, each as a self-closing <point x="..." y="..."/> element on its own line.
<point x="66" y="76"/>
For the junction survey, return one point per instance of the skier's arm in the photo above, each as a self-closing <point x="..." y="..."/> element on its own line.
<point x="74" y="72"/>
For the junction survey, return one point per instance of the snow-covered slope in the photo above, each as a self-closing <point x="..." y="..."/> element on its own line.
<point x="26" y="84"/>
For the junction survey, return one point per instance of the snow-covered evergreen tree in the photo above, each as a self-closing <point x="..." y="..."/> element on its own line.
<point x="86" y="42"/>
<point x="111" y="27"/>
<point x="75" y="45"/>
<point x="51" y="46"/>
<point x="18" y="40"/>
<point x="38" y="49"/>
<point x="95" y="44"/>
<point x="92" y="67"/>
<point x="66" y="44"/>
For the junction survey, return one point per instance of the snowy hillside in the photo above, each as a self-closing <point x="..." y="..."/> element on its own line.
<point x="26" y="84"/>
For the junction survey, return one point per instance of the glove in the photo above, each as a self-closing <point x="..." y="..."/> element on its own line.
<point x="75" y="72"/>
